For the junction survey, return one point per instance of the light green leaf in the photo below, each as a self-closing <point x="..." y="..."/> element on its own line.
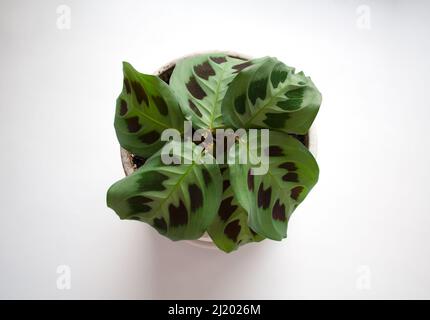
<point x="270" y="199"/>
<point x="270" y="95"/>
<point x="180" y="200"/>
<point x="230" y="229"/>
<point x="145" y="107"/>
<point x="200" y="83"/>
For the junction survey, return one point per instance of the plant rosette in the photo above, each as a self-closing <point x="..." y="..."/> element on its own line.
<point x="216" y="148"/>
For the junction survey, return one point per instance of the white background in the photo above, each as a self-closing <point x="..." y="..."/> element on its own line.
<point x="363" y="232"/>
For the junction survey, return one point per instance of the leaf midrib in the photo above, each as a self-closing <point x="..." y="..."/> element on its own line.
<point x="217" y="90"/>
<point x="269" y="102"/>
<point x="139" y="112"/>
<point x="175" y="186"/>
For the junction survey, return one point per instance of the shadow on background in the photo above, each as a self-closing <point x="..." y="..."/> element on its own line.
<point x="181" y="270"/>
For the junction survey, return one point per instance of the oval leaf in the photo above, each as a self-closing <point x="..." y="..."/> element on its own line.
<point x="270" y="95"/>
<point x="230" y="229"/>
<point x="270" y="199"/>
<point x="145" y="107"/>
<point x="200" y="83"/>
<point x="180" y="200"/>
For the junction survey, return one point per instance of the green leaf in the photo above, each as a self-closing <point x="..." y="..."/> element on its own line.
<point x="200" y="83"/>
<point x="230" y="229"/>
<point x="179" y="200"/>
<point x="270" y="95"/>
<point x="145" y="107"/>
<point x="270" y="199"/>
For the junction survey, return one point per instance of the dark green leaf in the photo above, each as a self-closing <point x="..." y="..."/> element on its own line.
<point x="270" y="95"/>
<point x="145" y="107"/>
<point x="270" y="199"/>
<point x="179" y="200"/>
<point x="230" y="229"/>
<point x="200" y="83"/>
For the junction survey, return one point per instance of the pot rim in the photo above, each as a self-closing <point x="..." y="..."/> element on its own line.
<point x="129" y="167"/>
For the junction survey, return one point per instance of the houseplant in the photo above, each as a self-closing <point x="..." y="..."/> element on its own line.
<point x="184" y="199"/>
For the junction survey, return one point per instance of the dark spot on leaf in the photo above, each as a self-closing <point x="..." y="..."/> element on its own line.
<point x="250" y="181"/>
<point x="218" y="60"/>
<point x="133" y="124"/>
<point x="195" y="89"/>
<point x="135" y="218"/>
<point x="178" y="215"/>
<point x="294" y="99"/>
<point x="152" y="181"/>
<point x="295" y="192"/>
<point x="206" y="176"/>
<point x="150" y="137"/>
<point x="166" y="74"/>
<point x="274" y="151"/>
<point x="222" y="169"/>
<point x="278" y="211"/>
<point x="296" y="93"/>
<point x="278" y="75"/>
<point x="239" y="67"/>
<point x="290" y="166"/>
<point x="127" y="85"/>
<point x="161" y="105"/>
<point x="303" y="138"/>
<point x="239" y="104"/>
<point x="139" y="204"/>
<point x="160" y="224"/>
<point x="264" y="196"/>
<point x="225" y="185"/>
<point x="257" y="89"/>
<point x="204" y="70"/>
<point x="290" y="177"/>
<point x="238" y="58"/>
<point x="290" y="104"/>
<point x="139" y="92"/>
<point x="276" y="120"/>
<point x="122" y="107"/>
<point x="226" y="209"/>
<point x="194" y="108"/>
<point x="232" y="230"/>
<point x="196" y="197"/>
<point x="253" y="232"/>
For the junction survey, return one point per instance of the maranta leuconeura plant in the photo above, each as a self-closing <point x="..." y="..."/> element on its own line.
<point x="185" y="199"/>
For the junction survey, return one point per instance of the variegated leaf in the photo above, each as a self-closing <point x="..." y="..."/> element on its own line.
<point x="271" y="95"/>
<point x="270" y="199"/>
<point x="200" y="83"/>
<point x="179" y="200"/>
<point x="145" y="107"/>
<point x="230" y="229"/>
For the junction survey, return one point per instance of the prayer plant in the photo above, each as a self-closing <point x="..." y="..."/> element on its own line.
<point x="189" y="197"/>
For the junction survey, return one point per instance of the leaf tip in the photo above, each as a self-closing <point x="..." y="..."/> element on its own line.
<point x="127" y="67"/>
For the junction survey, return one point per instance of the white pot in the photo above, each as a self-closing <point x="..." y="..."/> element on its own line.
<point x="129" y="167"/>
